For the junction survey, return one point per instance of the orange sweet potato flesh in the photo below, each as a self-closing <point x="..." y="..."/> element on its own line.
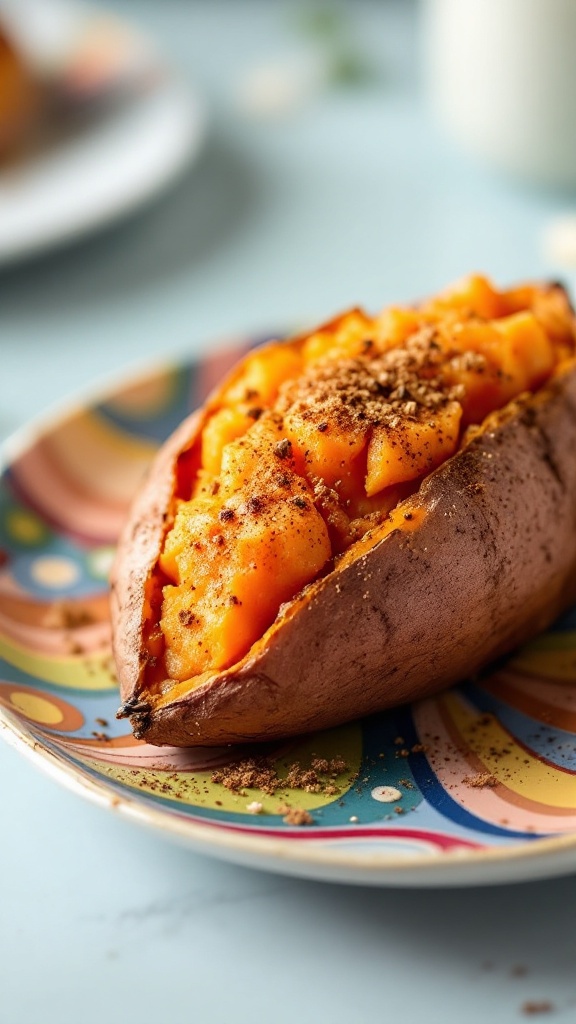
<point x="357" y="517"/>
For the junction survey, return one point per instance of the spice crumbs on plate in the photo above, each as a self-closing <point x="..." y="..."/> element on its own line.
<point x="252" y="773"/>
<point x="63" y="615"/>
<point x="260" y="773"/>
<point x="297" y="816"/>
<point x="480" y="781"/>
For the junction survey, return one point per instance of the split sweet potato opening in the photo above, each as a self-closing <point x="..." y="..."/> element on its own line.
<point x="313" y="442"/>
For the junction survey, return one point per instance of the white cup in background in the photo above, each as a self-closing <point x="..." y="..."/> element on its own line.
<point x="501" y="75"/>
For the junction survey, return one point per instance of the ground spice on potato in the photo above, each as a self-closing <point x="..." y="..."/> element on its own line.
<point x="283" y="449"/>
<point x="399" y="384"/>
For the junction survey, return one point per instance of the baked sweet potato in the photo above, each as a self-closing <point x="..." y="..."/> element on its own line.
<point x="358" y="517"/>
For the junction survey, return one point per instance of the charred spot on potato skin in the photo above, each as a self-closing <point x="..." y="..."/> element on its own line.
<point x="140" y="723"/>
<point x="133" y="705"/>
<point x="139" y="711"/>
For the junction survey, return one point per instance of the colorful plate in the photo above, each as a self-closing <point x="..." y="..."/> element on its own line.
<point x="476" y="785"/>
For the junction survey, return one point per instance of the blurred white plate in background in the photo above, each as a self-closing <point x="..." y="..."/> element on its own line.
<point x="106" y="161"/>
<point x="104" y="173"/>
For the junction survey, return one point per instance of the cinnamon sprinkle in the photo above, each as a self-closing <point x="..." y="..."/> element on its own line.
<point x="252" y="773"/>
<point x="296" y="816"/>
<point x="481" y="781"/>
<point x="361" y="393"/>
<point x="63" y="615"/>
<point x="259" y="773"/>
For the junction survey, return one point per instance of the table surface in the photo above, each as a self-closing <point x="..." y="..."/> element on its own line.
<point x="353" y="196"/>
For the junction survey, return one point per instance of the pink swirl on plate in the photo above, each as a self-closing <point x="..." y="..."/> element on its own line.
<point x="82" y="475"/>
<point x="493" y="776"/>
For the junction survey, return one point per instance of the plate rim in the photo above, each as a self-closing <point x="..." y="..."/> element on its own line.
<point x="207" y="838"/>
<point x="253" y="848"/>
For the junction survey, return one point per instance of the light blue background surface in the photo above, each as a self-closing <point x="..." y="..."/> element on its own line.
<point x="356" y="197"/>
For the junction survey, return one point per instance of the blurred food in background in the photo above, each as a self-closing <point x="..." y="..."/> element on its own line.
<point x="62" y="63"/>
<point x="20" y="96"/>
<point x="93" y="122"/>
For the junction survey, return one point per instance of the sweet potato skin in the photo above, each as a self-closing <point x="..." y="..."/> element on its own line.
<point x="491" y="561"/>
